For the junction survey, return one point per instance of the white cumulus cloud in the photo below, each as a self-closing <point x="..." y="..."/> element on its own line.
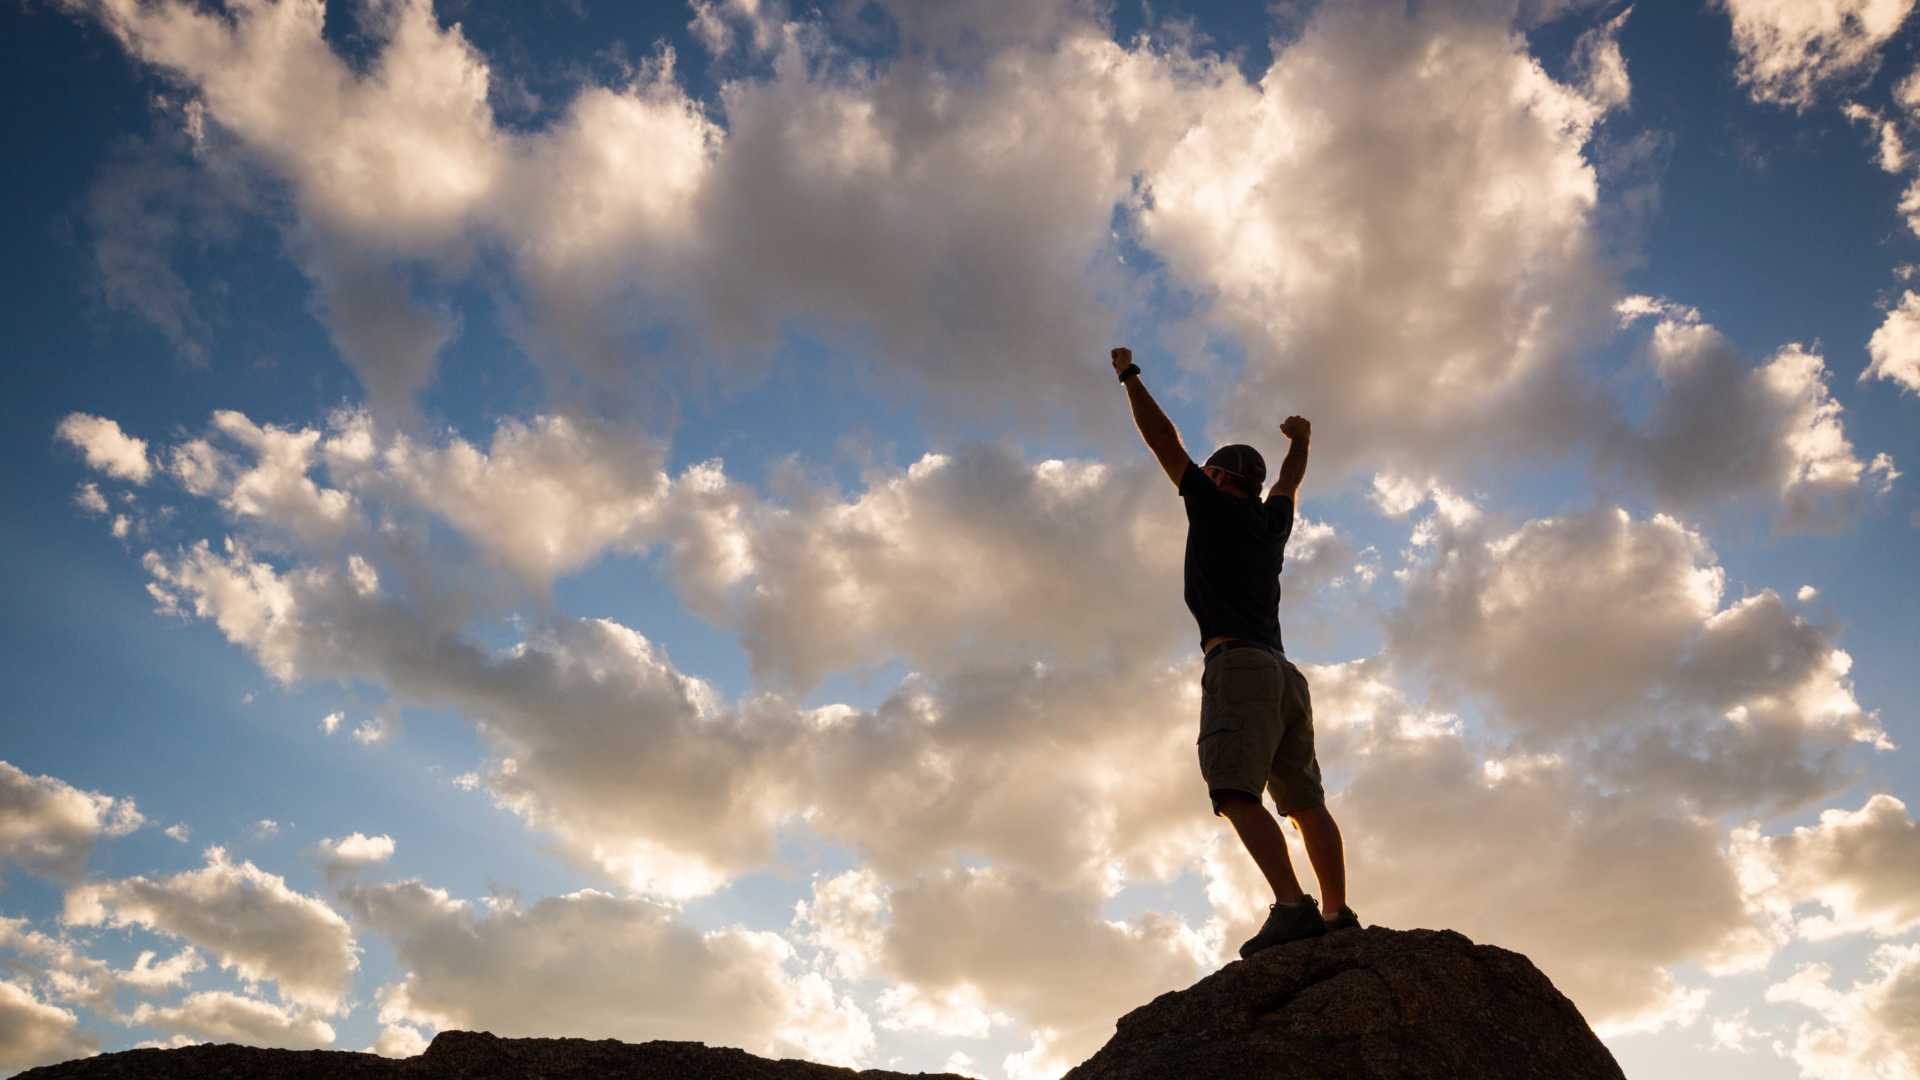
<point x="106" y="447"/>
<point x="1862" y="866"/>
<point x="1789" y="50"/>
<point x="224" y="1016"/>
<point x="33" y="1032"/>
<point x="1722" y="428"/>
<point x="249" y="919"/>
<point x="1866" y="1031"/>
<point x="600" y="966"/>
<point x="1895" y="346"/>
<point x="50" y="827"/>
<point x="354" y="851"/>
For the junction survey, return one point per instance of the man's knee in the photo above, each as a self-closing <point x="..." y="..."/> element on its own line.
<point x="1307" y="816"/>
<point x="1228" y="801"/>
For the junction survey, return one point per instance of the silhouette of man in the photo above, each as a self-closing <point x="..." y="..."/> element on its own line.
<point x="1256" y="718"/>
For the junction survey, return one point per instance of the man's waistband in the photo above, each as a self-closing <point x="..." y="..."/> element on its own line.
<point x="1243" y="643"/>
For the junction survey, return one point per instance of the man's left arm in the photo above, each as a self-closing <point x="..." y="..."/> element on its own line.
<point x="1159" y="433"/>
<point x="1294" y="468"/>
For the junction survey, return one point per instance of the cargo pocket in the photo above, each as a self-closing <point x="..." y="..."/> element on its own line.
<point x="1217" y="720"/>
<point x="1216" y="717"/>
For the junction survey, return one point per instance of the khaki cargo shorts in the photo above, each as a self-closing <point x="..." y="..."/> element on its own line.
<point x="1256" y="730"/>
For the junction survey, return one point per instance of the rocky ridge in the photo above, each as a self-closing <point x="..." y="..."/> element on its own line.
<point x="1367" y="1004"/>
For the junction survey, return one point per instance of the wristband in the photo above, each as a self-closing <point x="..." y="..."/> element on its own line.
<point x="1132" y="369"/>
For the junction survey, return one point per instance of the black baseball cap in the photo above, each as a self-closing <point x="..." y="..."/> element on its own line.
<point x="1242" y="461"/>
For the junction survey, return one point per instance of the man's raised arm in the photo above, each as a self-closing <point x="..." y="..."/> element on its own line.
<point x="1294" y="468"/>
<point x="1161" y="436"/>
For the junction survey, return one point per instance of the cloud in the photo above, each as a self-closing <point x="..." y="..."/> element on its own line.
<point x="1602" y="66"/>
<point x="1397" y="496"/>
<point x="173" y="971"/>
<point x="246" y="917"/>
<point x="68" y="974"/>
<point x="33" y="1032"/>
<point x="266" y="77"/>
<point x="1602" y="630"/>
<point x="88" y="498"/>
<point x="399" y="1041"/>
<point x="374" y="730"/>
<point x="1790" y="51"/>
<point x="992" y="529"/>
<point x="1732" y="1033"/>
<point x="642" y="771"/>
<point x="274" y="489"/>
<point x="1868" y="1029"/>
<point x="1721" y="429"/>
<point x="940" y="194"/>
<point x="600" y="966"/>
<point x="1409" y="318"/>
<point x="543" y="498"/>
<point x="960" y="946"/>
<point x="1892" y="149"/>
<point x="223" y="1016"/>
<point x="156" y="196"/>
<point x="106" y="447"/>
<point x="1895" y="346"/>
<point x="813" y="580"/>
<point x="49" y="827"/>
<point x="823" y="154"/>
<point x="962" y="558"/>
<point x="352" y="852"/>
<point x="64" y="971"/>
<point x="846" y="918"/>
<point x="1862" y="866"/>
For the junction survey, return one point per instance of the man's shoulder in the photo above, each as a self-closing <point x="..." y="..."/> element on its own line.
<point x="1193" y="480"/>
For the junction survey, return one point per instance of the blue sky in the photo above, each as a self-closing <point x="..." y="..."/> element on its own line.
<point x="678" y="445"/>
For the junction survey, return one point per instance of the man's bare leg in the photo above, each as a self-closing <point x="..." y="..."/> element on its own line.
<point x="1268" y="846"/>
<point x="1327" y="854"/>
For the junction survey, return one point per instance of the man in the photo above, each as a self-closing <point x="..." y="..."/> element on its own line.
<point x="1256" y="718"/>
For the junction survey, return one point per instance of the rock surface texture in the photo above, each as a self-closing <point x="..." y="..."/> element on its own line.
<point x="1360" y="1005"/>
<point x="466" y="1055"/>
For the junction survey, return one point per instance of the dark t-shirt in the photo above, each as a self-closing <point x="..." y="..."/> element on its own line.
<point x="1234" y="549"/>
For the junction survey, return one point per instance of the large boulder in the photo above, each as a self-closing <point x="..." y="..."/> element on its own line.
<point x="1360" y="1005"/>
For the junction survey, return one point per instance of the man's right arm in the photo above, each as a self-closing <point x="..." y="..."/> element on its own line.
<point x="1158" y="431"/>
<point x="1294" y="468"/>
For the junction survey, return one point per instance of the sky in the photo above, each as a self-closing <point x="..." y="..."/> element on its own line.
<point x="615" y="520"/>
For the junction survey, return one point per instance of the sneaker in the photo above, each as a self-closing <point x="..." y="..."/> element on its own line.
<point x="1344" y="919"/>
<point x="1286" y="922"/>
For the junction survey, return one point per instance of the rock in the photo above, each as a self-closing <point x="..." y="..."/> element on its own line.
<point x="460" y="1055"/>
<point x="480" y="1056"/>
<point x="1360" y="1004"/>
